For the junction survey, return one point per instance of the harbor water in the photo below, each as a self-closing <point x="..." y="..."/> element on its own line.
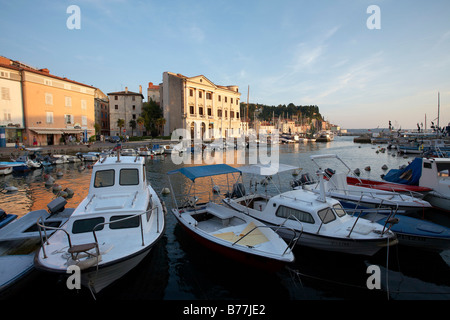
<point x="179" y="269"/>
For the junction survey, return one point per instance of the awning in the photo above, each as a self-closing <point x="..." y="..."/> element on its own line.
<point x="47" y="131"/>
<point x="205" y="171"/>
<point x="76" y="130"/>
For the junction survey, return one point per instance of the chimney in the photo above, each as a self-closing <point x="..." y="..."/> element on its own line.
<point x="140" y="89"/>
<point x="126" y="89"/>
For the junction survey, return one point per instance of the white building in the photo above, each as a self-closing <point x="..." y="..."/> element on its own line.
<point x="196" y="104"/>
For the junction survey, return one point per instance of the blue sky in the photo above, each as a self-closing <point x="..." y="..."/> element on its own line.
<point x="305" y="52"/>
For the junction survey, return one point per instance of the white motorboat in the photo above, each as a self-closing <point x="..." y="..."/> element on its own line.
<point x="436" y="175"/>
<point x="90" y="156"/>
<point x="129" y="152"/>
<point x="321" y="221"/>
<point x="112" y="229"/>
<point x="5" y="169"/>
<point x="20" y="239"/>
<point x="231" y="233"/>
<point x="144" y="151"/>
<point x="157" y="149"/>
<point x="336" y="186"/>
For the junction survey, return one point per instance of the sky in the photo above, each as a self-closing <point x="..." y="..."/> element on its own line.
<point x="323" y="52"/>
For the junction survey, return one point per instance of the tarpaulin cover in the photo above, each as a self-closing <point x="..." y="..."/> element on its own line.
<point x="205" y="171"/>
<point x="409" y="175"/>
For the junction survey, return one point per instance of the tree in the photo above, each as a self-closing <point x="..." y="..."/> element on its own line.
<point x="120" y="124"/>
<point x="140" y="121"/>
<point x="132" y="125"/>
<point x="151" y="111"/>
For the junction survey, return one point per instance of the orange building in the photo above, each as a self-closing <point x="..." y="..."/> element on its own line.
<point x="56" y="110"/>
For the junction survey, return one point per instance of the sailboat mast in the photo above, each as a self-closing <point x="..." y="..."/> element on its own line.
<point x="439" y="106"/>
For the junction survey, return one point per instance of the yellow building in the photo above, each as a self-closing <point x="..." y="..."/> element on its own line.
<point x="55" y="109"/>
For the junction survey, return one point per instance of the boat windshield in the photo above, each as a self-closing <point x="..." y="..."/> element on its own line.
<point x="104" y="178"/>
<point x="340" y="211"/>
<point x="326" y="215"/>
<point x="443" y="169"/>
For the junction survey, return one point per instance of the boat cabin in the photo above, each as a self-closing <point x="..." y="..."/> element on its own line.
<point x="435" y="173"/>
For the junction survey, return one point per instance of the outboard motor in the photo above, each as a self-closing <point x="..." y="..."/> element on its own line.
<point x="329" y="172"/>
<point x="305" y="179"/>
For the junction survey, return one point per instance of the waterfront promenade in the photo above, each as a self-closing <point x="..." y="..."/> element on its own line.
<point x="6" y="152"/>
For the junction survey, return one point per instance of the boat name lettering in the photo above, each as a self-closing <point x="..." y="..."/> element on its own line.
<point x="74" y="280"/>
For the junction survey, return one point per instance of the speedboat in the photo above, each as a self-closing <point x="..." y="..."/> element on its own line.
<point x="129" y="152"/>
<point x="231" y="233"/>
<point x="112" y="229"/>
<point x="157" y="149"/>
<point x="321" y="221"/>
<point x="336" y="186"/>
<point x="20" y="239"/>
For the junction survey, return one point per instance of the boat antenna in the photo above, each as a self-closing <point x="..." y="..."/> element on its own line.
<point x="321" y="197"/>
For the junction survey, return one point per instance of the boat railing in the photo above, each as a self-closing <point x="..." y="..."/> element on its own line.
<point x="393" y="209"/>
<point x="43" y="230"/>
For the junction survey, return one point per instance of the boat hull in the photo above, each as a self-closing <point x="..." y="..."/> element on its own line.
<point x="260" y="262"/>
<point x="350" y="246"/>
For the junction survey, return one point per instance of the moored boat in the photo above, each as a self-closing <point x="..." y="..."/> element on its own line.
<point x="321" y="221"/>
<point x="231" y="233"/>
<point x="112" y="229"/>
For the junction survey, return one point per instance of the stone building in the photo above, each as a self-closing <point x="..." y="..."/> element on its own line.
<point x="126" y="105"/>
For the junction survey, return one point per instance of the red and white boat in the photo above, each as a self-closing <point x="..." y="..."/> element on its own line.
<point x="418" y="191"/>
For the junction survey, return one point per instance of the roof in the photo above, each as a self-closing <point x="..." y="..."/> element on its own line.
<point x="205" y="171"/>
<point x="125" y="93"/>
<point x="43" y="72"/>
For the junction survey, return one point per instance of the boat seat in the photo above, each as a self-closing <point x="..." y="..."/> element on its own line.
<point x="84" y="248"/>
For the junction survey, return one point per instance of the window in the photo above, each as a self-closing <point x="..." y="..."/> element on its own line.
<point x="83" y="104"/>
<point x="219" y="98"/>
<point x="200" y="110"/>
<point x="5" y="94"/>
<point x="199" y="94"/>
<point x="208" y="96"/>
<point x="49" y="117"/>
<point x="219" y="113"/>
<point x="293" y="214"/>
<point x="326" y="215"/>
<point x="191" y="92"/>
<point x="132" y="222"/>
<point x="231" y="100"/>
<point x="134" y="116"/>
<point x="209" y="112"/>
<point x="340" y="211"/>
<point x="83" y="120"/>
<point x="191" y="109"/>
<point x="133" y="98"/>
<point x="116" y="98"/>
<point x="49" y="99"/>
<point x="225" y="99"/>
<point x="237" y="115"/>
<point x="129" y="177"/>
<point x="104" y="178"/>
<point x="231" y="114"/>
<point x="6" y="115"/>
<point x="68" y="101"/>
<point x="226" y="113"/>
<point x="68" y="118"/>
<point x="87" y="225"/>
<point x="134" y="107"/>
<point x="116" y="107"/>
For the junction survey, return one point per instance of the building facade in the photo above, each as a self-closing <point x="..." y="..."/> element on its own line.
<point x="101" y="103"/>
<point x="204" y="109"/>
<point x="54" y="108"/>
<point x="153" y="93"/>
<point x="125" y="105"/>
<point x="11" y="105"/>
